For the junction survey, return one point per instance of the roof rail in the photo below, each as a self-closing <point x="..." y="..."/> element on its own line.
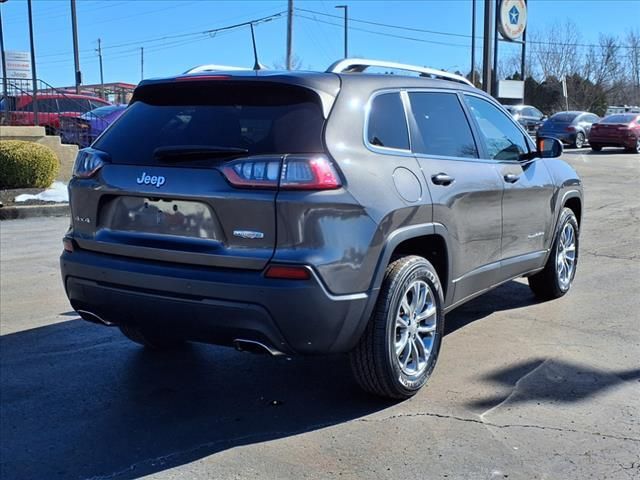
<point x="214" y="68"/>
<point x="358" y="65"/>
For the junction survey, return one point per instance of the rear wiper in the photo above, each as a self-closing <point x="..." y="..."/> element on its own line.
<point x="189" y="152"/>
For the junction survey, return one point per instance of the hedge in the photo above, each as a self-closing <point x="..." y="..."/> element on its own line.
<point x="27" y="165"/>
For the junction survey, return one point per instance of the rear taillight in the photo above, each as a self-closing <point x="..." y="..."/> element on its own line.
<point x="88" y="162"/>
<point x="571" y="129"/>
<point x="298" y="172"/>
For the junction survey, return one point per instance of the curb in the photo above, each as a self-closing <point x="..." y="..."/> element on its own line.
<point x="30" y="211"/>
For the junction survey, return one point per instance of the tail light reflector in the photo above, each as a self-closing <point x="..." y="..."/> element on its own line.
<point x="571" y="129"/>
<point x="67" y="244"/>
<point x="287" y="272"/>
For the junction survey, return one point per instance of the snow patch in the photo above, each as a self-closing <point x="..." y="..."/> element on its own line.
<point x="55" y="193"/>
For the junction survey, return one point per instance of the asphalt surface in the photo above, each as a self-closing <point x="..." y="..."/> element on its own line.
<point x="523" y="390"/>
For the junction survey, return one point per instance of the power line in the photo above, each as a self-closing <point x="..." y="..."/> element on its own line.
<point x="435" y="32"/>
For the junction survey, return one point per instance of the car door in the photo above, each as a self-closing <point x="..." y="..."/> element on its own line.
<point x="527" y="214"/>
<point x="466" y="190"/>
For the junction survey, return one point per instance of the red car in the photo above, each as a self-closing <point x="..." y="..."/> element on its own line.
<point x="617" y="130"/>
<point x="51" y="106"/>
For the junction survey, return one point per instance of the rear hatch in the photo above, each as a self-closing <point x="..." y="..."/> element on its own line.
<point x="191" y="171"/>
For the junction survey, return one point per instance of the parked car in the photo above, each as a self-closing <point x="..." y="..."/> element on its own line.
<point x="50" y="106"/>
<point x="620" y="130"/>
<point x="571" y="128"/>
<point x="315" y="213"/>
<point x="84" y="129"/>
<point x="529" y="117"/>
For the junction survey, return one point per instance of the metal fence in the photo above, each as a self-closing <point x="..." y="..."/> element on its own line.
<point x="58" y="111"/>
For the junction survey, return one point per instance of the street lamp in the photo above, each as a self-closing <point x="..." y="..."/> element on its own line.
<point x="346" y="28"/>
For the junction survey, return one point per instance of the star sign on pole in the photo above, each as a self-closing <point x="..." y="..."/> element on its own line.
<point x="513" y="15"/>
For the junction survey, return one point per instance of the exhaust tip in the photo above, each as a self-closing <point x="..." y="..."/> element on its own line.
<point x="93" y="318"/>
<point x="252" y="346"/>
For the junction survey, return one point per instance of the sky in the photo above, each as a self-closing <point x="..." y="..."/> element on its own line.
<point x="125" y="26"/>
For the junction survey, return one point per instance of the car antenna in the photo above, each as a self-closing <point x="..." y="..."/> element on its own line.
<point x="256" y="65"/>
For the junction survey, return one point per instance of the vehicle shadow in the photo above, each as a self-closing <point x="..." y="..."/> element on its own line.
<point x="509" y="296"/>
<point x="80" y="401"/>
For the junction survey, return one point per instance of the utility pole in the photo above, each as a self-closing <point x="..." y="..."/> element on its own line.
<point x="473" y="41"/>
<point x="4" y="71"/>
<point x="487" y="54"/>
<point x="256" y="63"/>
<point x="289" y="33"/>
<point x="76" y="56"/>
<point x="34" y="77"/>
<point x="141" y="63"/>
<point x="99" y="50"/>
<point x="346" y="28"/>
<point x="494" y="85"/>
<point x="524" y="51"/>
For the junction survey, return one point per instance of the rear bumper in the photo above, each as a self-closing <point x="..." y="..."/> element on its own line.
<point x="628" y="142"/>
<point x="214" y="305"/>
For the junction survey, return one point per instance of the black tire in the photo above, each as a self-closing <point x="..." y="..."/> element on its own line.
<point x="596" y="148"/>
<point x="150" y="340"/>
<point x="635" y="149"/>
<point x="374" y="361"/>
<point x="546" y="284"/>
<point x="579" y="141"/>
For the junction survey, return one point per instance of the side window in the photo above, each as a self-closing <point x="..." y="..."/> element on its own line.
<point x="537" y="113"/>
<point x="387" y="123"/>
<point x="443" y="126"/>
<point x="528" y="112"/>
<point x="503" y="138"/>
<point x="73" y="105"/>
<point x="47" y="105"/>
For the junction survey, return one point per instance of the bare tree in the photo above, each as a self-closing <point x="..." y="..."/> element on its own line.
<point x="632" y="42"/>
<point x="555" y="50"/>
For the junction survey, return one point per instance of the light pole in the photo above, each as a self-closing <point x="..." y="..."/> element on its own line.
<point x="346" y="28"/>
<point x="289" y="33"/>
<point x="34" y="77"/>
<point x="76" y="56"/>
<point x="4" y="69"/>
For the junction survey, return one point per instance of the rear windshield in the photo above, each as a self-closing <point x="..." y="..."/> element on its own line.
<point x="564" y="117"/>
<point x="261" y="118"/>
<point x="626" y="118"/>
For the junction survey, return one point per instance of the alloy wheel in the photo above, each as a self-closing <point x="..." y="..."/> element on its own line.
<point x="566" y="256"/>
<point x="415" y="328"/>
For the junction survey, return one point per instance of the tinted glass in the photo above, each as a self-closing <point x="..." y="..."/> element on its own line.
<point x="97" y="104"/>
<point x="47" y="105"/>
<point x="73" y="105"/>
<point x="620" y="118"/>
<point x="564" y="117"/>
<point x="536" y="113"/>
<point x="528" y="111"/>
<point x="591" y="118"/>
<point x="260" y="119"/>
<point x="503" y="138"/>
<point x="387" y="123"/>
<point x="102" y="111"/>
<point x="443" y="126"/>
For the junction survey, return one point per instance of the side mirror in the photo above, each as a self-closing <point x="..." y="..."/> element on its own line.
<point x="548" y="147"/>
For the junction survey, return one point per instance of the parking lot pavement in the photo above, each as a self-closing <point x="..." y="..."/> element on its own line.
<point x="523" y="390"/>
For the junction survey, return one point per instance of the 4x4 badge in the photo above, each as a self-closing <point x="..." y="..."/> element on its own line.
<point x="250" y="234"/>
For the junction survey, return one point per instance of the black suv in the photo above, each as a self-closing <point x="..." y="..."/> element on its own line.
<point x="315" y="213"/>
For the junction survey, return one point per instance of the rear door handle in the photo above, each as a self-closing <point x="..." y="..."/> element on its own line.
<point x="442" y="179"/>
<point x="511" y="178"/>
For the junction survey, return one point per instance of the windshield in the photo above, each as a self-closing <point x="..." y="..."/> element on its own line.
<point x="101" y="112"/>
<point x="564" y="117"/>
<point x="626" y="118"/>
<point x="259" y="119"/>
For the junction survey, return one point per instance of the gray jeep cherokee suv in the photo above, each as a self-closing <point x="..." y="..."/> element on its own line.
<point x="314" y="213"/>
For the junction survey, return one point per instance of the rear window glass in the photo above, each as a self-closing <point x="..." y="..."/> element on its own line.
<point x="263" y="119"/>
<point x="620" y="118"/>
<point x="563" y="117"/>
<point x="387" y="123"/>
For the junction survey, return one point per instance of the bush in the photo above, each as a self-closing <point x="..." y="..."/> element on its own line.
<point x="27" y="165"/>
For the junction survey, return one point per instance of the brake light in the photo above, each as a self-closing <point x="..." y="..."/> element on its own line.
<point x="298" y="172"/>
<point x="88" y="162"/>
<point x="287" y="272"/>
<point x="192" y="78"/>
<point x="571" y="129"/>
<point x="67" y="244"/>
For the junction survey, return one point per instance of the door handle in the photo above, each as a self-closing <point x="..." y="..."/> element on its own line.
<point x="442" y="179"/>
<point x="511" y="178"/>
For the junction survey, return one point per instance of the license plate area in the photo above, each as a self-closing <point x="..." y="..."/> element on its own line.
<point x="160" y="216"/>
